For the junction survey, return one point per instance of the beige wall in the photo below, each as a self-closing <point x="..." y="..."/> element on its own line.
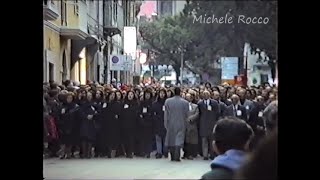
<point x="55" y="46"/>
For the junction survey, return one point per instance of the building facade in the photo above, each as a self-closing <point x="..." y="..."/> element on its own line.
<point x="258" y="69"/>
<point x="79" y="36"/>
<point x="170" y="8"/>
<point x="117" y="14"/>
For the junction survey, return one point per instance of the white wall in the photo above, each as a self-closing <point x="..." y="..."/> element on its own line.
<point x="254" y="72"/>
<point x="179" y="5"/>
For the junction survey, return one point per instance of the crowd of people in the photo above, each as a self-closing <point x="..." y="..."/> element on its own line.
<point x="103" y="120"/>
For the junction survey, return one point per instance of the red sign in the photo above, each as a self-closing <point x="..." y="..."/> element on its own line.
<point x="240" y="80"/>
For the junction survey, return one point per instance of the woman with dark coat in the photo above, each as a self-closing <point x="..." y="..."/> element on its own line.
<point x="67" y="121"/>
<point x="120" y="149"/>
<point x="88" y="126"/>
<point x="129" y="122"/>
<point x="98" y="104"/>
<point x="145" y="124"/>
<point x="256" y="121"/>
<point x="158" y="118"/>
<point x="53" y="109"/>
<point x="81" y="97"/>
<point x="119" y="96"/>
<point x="110" y="124"/>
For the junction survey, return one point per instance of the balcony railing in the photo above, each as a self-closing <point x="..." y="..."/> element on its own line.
<point x="94" y="27"/>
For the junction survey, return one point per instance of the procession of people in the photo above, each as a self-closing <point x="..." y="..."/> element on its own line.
<point x="103" y="120"/>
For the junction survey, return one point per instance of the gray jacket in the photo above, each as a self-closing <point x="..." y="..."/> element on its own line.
<point x="175" y="117"/>
<point x="192" y="129"/>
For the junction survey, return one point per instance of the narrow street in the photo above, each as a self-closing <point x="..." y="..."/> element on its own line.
<point x="122" y="168"/>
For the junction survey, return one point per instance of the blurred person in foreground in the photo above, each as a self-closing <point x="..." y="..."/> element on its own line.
<point x="270" y="116"/>
<point x="231" y="141"/>
<point x="263" y="162"/>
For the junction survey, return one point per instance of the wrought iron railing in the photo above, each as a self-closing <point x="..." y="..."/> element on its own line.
<point x="94" y="27"/>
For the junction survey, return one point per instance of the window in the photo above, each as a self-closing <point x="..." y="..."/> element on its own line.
<point x="98" y="73"/>
<point x="51" y="71"/>
<point x="49" y="43"/>
<point x="63" y="13"/>
<point x="264" y="78"/>
<point x="76" y="8"/>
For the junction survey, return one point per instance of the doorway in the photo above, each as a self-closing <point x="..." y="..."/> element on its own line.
<point x="64" y="66"/>
<point x="98" y="73"/>
<point x="51" y="71"/>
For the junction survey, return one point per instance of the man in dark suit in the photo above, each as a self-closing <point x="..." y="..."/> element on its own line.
<point x="244" y="101"/>
<point x="256" y="121"/>
<point x="222" y="105"/>
<point x="209" y="114"/>
<point x="236" y="110"/>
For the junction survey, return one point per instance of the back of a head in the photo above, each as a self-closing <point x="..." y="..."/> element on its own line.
<point x="53" y="85"/>
<point x="231" y="133"/>
<point x="271" y="116"/>
<point x="53" y="93"/>
<point x="177" y="91"/>
<point x="263" y="162"/>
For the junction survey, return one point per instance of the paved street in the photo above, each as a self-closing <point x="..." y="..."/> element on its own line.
<point x="122" y="168"/>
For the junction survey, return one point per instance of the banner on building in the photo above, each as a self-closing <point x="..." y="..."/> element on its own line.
<point x="130" y="41"/>
<point x="120" y="63"/>
<point x="229" y="68"/>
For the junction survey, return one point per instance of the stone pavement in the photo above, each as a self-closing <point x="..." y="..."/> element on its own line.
<point x="123" y="168"/>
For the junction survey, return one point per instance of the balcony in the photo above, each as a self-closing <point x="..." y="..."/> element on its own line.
<point x="94" y="28"/>
<point x="77" y="25"/>
<point x="50" y="10"/>
<point x="113" y="23"/>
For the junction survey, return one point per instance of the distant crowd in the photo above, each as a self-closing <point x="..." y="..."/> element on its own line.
<point x="107" y="120"/>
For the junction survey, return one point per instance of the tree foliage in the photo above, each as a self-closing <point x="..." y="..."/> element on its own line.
<point x="205" y="43"/>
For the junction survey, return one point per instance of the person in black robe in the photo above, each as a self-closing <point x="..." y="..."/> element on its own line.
<point x="145" y="124"/>
<point x="120" y="148"/>
<point x="98" y="103"/>
<point x="88" y="126"/>
<point x="110" y="124"/>
<point x="81" y="97"/>
<point x="67" y="120"/>
<point x="129" y="122"/>
<point x="256" y="122"/>
<point x="137" y="93"/>
<point x="158" y="118"/>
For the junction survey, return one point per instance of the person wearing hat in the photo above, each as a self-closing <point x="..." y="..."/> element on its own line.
<point x="231" y="139"/>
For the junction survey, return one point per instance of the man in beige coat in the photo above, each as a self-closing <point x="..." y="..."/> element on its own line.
<point x="191" y="129"/>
